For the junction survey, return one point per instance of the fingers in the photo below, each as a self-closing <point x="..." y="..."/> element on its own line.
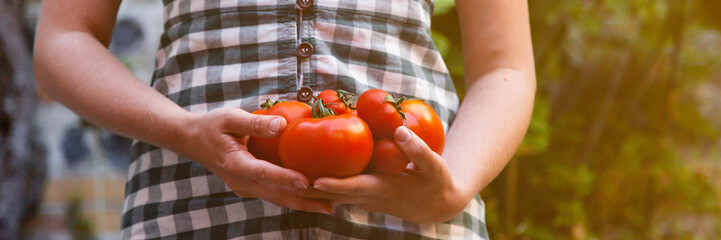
<point x="241" y="122"/>
<point x="359" y="185"/>
<point x="282" y="197"/>
<point x="242" y="163"/>
<point x="316" y="194"/>
<point x="287" y="199"/>
<point x="417" y="151"/>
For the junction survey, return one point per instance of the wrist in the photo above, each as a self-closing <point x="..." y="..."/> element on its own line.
<point x="454" y="199"/>
<point x="181" y="129"/>
<point x="466" y="192"/>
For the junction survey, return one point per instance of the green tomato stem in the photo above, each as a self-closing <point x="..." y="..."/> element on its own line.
<point x="321" y="110"/>
<point x="347" y="98"/>
<point x="268" y="104"/>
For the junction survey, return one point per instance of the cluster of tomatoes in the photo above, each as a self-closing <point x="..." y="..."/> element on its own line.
<point x="342" y="135"/>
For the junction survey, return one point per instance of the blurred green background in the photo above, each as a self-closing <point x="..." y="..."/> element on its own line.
<point x="624" y="143"/>
<point x="625" y="137"/>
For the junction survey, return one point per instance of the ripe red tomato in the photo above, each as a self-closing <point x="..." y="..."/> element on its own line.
<point x="260" y="111"/>
<point x="329" y="146"/>
<point x="267" y="148"/>
<point x="265" y="106"/>
<point x="383" y="114"/>
<point x="425" y="123"/>
<point x="387" y="158"/>
<point x="339" y="101"/>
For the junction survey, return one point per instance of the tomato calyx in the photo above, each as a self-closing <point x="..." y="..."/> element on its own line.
<point x="347" y="98"/>
<point x="397" y="105"/>
<point x="321" y="110"/>
<point x="268" y="104"/>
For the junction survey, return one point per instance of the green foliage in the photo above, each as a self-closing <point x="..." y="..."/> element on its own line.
<point x="618" y="147"/>
<point x="539" y="131"/>
<point x="79" y="225"/>
<point x="441" y="7"/>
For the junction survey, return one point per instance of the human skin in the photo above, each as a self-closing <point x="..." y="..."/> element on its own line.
<point x="489" y="127"/>
<point x="74" y="67"/>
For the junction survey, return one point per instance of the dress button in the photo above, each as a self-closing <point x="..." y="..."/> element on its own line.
<point x="304" y="4"/>
<point x="305" y="49"/>
<point x="305" y="94"/>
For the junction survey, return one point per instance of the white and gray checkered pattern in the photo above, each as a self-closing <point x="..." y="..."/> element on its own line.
<point x="237" y="53"/>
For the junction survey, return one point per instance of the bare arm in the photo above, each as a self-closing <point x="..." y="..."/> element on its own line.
<point x="489" y="127"/>
<point x="500" y="88"/>
<point x="74" y="67"/>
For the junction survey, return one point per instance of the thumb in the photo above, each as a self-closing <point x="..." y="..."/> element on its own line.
<point x="244" y="123"/>
<point x="416" y="150"/>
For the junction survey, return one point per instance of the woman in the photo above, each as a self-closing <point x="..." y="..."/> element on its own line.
<point x="190" y="174"/>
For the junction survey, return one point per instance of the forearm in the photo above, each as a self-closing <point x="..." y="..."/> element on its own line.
<point x="489" y="127"/>
<point x="75" y="69"/>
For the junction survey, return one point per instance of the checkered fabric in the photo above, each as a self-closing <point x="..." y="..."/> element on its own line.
<point x="238" y="53"/>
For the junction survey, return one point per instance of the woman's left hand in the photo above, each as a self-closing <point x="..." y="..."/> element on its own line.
<point x="425" y="193"/>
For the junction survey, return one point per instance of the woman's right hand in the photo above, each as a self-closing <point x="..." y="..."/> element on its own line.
<point x="94" y="84"/>
<point x="217" y="140"/>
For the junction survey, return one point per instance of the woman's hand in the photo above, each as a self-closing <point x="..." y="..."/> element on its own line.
<point x="425" y="193"/>
<point x="217" y="140"/>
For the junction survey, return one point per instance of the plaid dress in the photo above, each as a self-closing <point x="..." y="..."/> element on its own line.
<point x="238" y="53"/>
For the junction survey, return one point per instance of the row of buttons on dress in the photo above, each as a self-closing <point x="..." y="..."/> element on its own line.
<point x="304" y="4"/>
<point x="305" y="93"/>
<point x="304" y="50"/>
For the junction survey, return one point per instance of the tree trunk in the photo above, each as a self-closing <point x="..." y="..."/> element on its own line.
<point x="511" y="198"/>
<point x="22" y="167"/>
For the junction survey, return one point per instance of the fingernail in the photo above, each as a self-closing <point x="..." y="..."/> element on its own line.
<point x="324" y="211"/>
<point x="320" y="187"/>
<point x="300" y="184"/>
<point x="274" y="125"/>
<point x="403" y="134"/>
